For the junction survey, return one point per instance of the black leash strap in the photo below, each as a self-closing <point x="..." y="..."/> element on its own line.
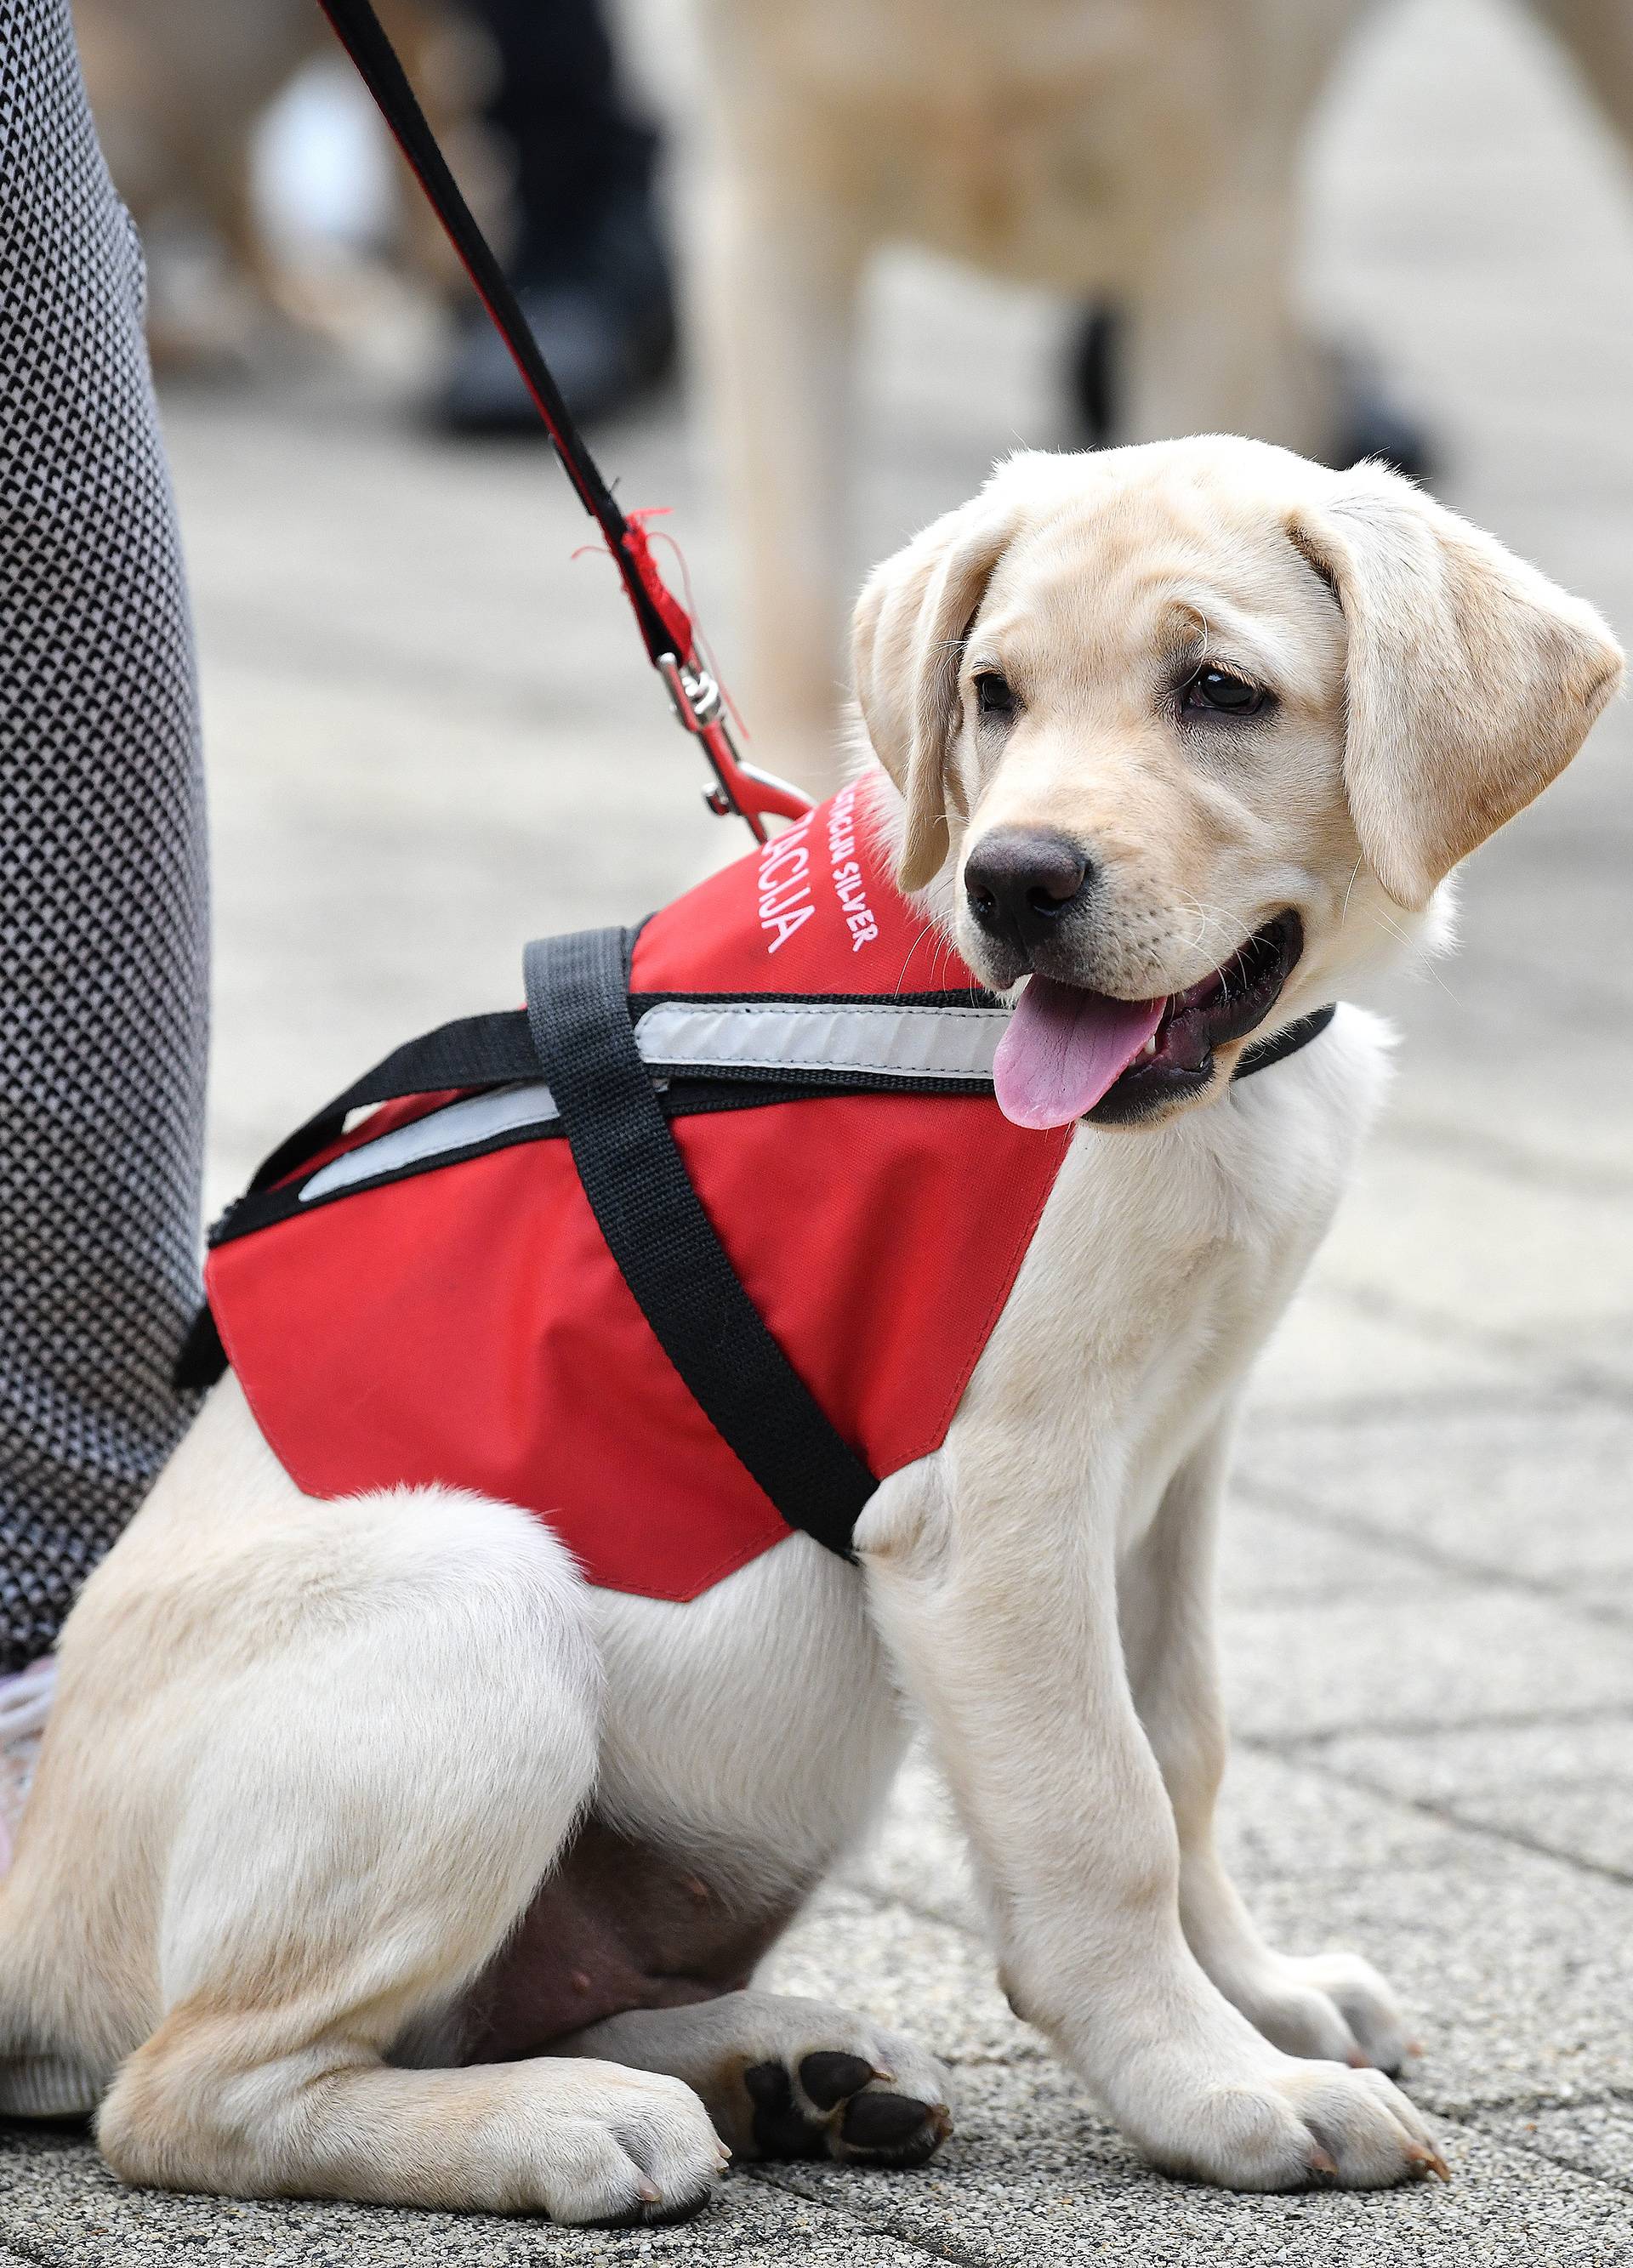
<point x="361" y="33"/>
<point x="741" y="789"/>
<point x="665" y="1245"/>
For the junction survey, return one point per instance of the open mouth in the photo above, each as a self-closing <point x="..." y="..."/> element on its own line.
<point x="1068" y="1053"/>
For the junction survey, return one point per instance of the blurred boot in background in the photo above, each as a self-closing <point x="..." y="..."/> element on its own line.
<point x="588" y="257"/>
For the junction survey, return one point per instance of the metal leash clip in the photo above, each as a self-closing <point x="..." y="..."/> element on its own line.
<point x="694" y="694"/>
<point x="700" y="706"/>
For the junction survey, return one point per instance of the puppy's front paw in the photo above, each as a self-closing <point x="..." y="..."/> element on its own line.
<point x="1331" y="2006"/>
<point x="871" y="2099"/>
<point x="1305" y="2124"/>
<point x="623" y="2149"/>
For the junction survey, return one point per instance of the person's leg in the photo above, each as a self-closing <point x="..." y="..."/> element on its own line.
<point x="587" y="256"/>
<point x="103" y="939"/>
<point x="558" y="103"/>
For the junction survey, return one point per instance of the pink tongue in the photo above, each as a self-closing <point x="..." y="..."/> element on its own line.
<point x="1061" y="1049"/>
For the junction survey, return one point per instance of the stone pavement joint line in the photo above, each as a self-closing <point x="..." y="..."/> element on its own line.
<point x="1285" y="1504"/>
<point x="1293" y="1744"/>
<point x="1484" y="1147"/>
<point x="1448" y="1815"/>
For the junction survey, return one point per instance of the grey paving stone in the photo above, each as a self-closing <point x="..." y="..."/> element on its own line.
<point x="907" y="1969"/>
<point x="1536" y="1490"/>
<point x="1332" y="1355"/>
<point x="1549" y="1266"/>
<point x="1533" y="1112"/>
<point x="1567" y="1787"/>
<point x="1279" y="1561"/>
<point x="918" y="1857"/>
<point x="63" y="2208"/>
<point x="1517" y="1044"/>
<point x="1280" y="1820"/>
<point x="1592" y="2138"/>
<point x="1440" y="1650"/>
<point x="1033" y="2175"/>
<point x="1611" y="1349"/>
<point x="1517" y="1967"/>
<point x="1287" y="1821"/>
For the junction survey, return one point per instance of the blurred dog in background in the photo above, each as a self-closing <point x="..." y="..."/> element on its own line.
<point x="1141" y="156"/>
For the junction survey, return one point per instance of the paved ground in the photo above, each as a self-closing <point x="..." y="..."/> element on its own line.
<point x="429" y="738"/>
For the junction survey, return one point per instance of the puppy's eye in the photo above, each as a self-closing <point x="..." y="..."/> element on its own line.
<point x="994" y="697"/>
<point x="1219" y="690"/>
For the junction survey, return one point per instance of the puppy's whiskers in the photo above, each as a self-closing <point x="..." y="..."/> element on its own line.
<point x="1207" y="920"/>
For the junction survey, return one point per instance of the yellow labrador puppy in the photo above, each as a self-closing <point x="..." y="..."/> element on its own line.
<point x="375" y="1855"/>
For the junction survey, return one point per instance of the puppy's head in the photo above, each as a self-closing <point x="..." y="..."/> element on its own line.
<point x="1190" y="734"/>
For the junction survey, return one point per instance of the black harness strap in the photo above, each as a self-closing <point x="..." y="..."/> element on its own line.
<point x="577" y="1033"/>
<point x="474" y="1051"/>
<point x="665" y="1245"/>
<point x="494" y="1050"/>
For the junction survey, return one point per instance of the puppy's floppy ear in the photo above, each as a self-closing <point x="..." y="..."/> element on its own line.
<point x="1471" y="680"/>
<point x="907" y="637"/>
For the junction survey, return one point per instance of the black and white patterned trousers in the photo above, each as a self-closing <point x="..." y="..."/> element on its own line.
<point x="103" y="937"/>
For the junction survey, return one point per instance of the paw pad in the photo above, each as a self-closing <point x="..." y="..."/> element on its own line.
<point x="849" y="2118"/>
<point x="828" y="2078"/>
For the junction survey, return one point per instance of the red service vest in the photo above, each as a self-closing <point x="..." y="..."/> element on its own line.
<point x="427" y="1297"/>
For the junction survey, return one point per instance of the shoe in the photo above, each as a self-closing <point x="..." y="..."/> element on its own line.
<point x="1091" y="376"/>
<point x="605" y="320"/>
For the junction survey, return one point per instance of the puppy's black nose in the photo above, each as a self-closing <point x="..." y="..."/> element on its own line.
<point x="1020" y="881"/>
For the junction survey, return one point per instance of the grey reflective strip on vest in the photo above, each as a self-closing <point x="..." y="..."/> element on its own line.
<point x="679" y="1035"/>
<point x="461" y="1126"/>
<point x="775" y="1035"/>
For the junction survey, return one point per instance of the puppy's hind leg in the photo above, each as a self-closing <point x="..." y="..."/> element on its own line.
<point x="790" y="2078"/>
<point x="383" y="1783"/>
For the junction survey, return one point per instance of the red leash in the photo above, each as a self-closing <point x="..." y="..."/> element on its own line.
<point x="666" y="628"/>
